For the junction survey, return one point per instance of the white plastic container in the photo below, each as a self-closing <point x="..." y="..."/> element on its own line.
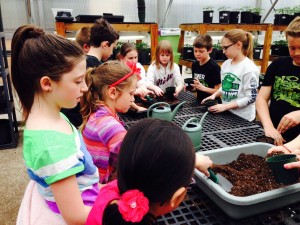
<point x="241" y="207"/>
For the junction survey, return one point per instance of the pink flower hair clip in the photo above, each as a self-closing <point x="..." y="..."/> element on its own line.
<point x="133" y="205"/>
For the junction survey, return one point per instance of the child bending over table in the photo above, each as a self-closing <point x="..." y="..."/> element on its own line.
<point x="153" y="175"/>
<point x="111" y="88"/>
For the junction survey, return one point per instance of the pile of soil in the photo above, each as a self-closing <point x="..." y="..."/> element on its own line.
<point x="249" y="174"/>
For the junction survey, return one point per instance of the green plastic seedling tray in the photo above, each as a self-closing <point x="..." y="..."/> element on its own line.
<point x="242" y="207"/>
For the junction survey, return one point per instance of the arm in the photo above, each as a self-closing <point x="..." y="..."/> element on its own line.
<point x="201" y="87"/>
<point x="179" y="82"/>
<point x="137" y="108"/>
<point x="150" y="81"/>
<point x="288" y="121"/>
<point x="68" y="199"/>
<point x="263" y="112"/>
<point x="203" y="163"/>
<point x="213" y="96"/>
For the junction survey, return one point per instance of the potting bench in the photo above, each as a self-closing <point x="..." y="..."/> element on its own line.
<point x="203" y="28"/>
<point x="152" y="28"/>
<point x="219" y="130"/>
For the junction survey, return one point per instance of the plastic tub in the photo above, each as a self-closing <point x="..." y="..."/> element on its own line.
<point x="241" y="207"/>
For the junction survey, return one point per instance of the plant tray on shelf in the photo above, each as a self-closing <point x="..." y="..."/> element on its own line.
<point x="241" y="207"/>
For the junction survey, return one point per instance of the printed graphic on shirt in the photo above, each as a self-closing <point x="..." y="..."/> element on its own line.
<point x="287" y="88"/>
<point x="229" y="87"/>
<point x="164" y="80"/>
<point x="201" y="78"/>
<point x="253" y="85"/>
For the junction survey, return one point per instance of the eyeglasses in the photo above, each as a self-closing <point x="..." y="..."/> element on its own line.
<point x="224" y="48"/>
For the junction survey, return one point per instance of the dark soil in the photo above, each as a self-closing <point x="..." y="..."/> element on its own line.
<point x="249" y="174"/>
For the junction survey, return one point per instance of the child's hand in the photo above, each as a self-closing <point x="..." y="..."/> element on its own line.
<point x="212" y="97"/>
<point x="288" y="121"/>
<point x="203" y="163"/>
<point x="278" y="149"/>
<point x="140" y="92"/>
<point x="141" y="109"/>
<point x="158" y="91"/>
<point x="197" y="85"/>
<point x="273" y="133"/>
<point x="218" y="108"/>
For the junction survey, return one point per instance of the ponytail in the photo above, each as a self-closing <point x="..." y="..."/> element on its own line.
<point x="248" y="51"/>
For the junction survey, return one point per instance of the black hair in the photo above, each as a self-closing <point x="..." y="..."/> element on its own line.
<point x="157" y="158"/>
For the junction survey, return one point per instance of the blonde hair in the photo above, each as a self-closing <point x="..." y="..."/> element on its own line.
<point x="98" y="81"/>
<point x="164" y="46"/>
<point x="244" y="37"/>
<point x="293" y="28"/>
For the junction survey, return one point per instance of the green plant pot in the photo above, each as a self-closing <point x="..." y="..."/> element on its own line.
<point x="282" y="175"/>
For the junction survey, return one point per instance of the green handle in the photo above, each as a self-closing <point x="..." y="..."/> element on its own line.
<point x="213" y="176"/>
<point x="148" y="98"/>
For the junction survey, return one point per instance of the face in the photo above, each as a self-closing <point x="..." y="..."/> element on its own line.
<point x="68" y="91"/>
<point x="229" y="49"/>
<point x="108" y="50"/>
<point x="126" y="97"/>
<point x="131" y="56"/>
<point x="164" y="58"/>
<point x="201" y="54"/>
<point x="294" y="49"/>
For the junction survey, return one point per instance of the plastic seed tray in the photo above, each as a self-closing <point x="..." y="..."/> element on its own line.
<point x="198" y="209"/>
<point x="242" y="207"/>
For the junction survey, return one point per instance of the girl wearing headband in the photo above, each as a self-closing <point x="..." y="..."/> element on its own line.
<point x="111" y="88"/>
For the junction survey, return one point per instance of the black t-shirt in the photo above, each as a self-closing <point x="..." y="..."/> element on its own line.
<point x="208" y="74"/>
<point x="74" y="114"/>
<point x="284" y="77"/>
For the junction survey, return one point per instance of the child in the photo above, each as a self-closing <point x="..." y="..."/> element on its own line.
<point x="153" y="175"/>
<point x="82" y="37"/>
<point x="102" y="41"/>
<point x="48" y="73"/>
<point x="206" y="72"/>
<point x="164" y="72"/>
<point x="281" y="86"/>
<point x="110" y="90"/>
<point x="128" y="53"/>
<point x="239" y="76"/>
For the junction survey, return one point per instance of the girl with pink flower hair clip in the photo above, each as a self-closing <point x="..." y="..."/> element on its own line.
<point x="153" y="175"/>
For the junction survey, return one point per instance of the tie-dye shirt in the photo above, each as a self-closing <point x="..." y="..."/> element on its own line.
<point x="103" y="135"/>
<point x="51" y="156"/>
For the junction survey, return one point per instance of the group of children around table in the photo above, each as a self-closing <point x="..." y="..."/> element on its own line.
<point x="103" y="174"/>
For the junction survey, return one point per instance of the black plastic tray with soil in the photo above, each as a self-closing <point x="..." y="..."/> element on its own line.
<point x="172" y="102"/>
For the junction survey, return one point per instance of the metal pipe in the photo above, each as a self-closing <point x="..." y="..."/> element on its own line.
<point x="167" y="13"/>
<point x="273" y="5"/>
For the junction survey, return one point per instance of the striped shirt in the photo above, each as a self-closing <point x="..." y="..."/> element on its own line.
<point x="51" y="156"/>
<point x="103" y="135"/>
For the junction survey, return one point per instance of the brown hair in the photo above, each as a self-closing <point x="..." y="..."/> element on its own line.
<point x="293" y="28"/>
<point x="164" y="46"/>
<point x="102" y="31"/>
<point x="98" y="80"/>
<point x="82" y="36"/>
<point x="203" y="41"/>
<point x="35" y="54"/>
<point x="126" y="48"/>
<point x="244" y="37"/>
